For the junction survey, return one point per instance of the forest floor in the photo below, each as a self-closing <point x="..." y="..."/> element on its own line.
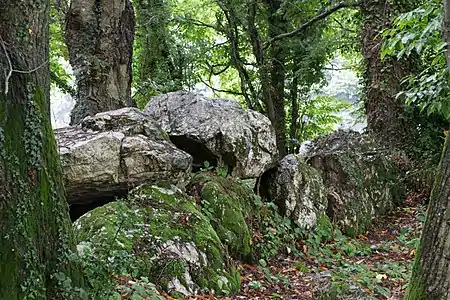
<point x="377" y="263"/>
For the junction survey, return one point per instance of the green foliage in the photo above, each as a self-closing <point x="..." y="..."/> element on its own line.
<point x="193" y="43"/>
<point x="58" y="52"/>
<point x="206" y="166"/>
<point x="274" y="233"/>
<point x="320" y="116"/>
<point x="346" y="259"/>
<point x="417" y="33"/>
<point x="169" y="50"/>
<point x="228" y="285"/>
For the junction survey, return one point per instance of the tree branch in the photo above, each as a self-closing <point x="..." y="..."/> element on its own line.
<point x="200" y="23"/>
<point x="219" y="90"/>
<point x="319" y="17"/>
<point x="216" y="73"/>
<point x="8" y="75"/>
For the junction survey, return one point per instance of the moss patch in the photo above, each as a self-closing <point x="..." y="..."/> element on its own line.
<point x="160" y="234"/>
<point x="230" y="206"/>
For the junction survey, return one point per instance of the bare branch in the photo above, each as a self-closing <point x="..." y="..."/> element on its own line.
<point x="11" y="70"/>
<point x="200" y="23"/>
<point x="319" y="17"/>
<point x="219" y="90"/>
<point x="337" y="69"/>
<point x="216" y="73"/>
<point x="32" y="70"/>
<point x="8" y="75"/>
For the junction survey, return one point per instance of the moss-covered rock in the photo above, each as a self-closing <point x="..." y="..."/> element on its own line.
<point x="157" y="233"/>
<point x="362" y="181"/>
<point x="230" y="205"/>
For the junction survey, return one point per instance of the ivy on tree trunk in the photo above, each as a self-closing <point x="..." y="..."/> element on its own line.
<point x="35" y="230"/>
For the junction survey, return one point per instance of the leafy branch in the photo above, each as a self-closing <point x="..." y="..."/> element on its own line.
<point x="319" y="17"/>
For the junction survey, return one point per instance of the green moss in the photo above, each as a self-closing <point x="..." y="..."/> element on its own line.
<point x="324" y="224"/>
<point x="417" y="285"/>
<point x="36" y="238"/>
<point x="156" y="218"/>
<point x="416" y="289"/>
<point x="229" y="205"/>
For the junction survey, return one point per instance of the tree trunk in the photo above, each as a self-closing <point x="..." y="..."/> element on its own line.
<point x="277" y="55"/>
<point x="381" y="77"/>
<point x="99" y="36"/>
<point x="430" y="279"/>
<point x="160" y="70"/>
<point x="294" y="143"/>
<point x="36" y="235"/>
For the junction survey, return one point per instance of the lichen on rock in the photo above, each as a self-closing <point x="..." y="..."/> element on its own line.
<point x="360" y="177"/>
<point x="216" y="130"/>
<point x="112" y="151"/>
<point x="297" y="189"/>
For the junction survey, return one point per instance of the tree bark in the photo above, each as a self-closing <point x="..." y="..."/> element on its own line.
<point x="36" y="235"/>
<point x="99" y="36"/>
<point x="294" y="106"/>
<point x="277" y="54"/>
<point x="430" y="279"/>
<point x="382" y="78"/>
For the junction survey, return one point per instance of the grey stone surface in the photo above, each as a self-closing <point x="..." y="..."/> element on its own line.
<point x="113" y="151"/>
<point x="219" y="131"/>
<point x="297" y="189"/>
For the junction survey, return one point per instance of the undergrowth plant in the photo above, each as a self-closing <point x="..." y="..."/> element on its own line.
<point x="348" y="259"/>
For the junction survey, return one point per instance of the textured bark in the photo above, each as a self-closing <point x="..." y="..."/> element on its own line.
<point x="36" y="234"/>
<point x="381" y="77"/>
<point x="277" y="25"/>
<point x="430" y="279"/>
<point x="431" y="272"/>
<point x="99" y="35"/>
<point x="294" y="107"/>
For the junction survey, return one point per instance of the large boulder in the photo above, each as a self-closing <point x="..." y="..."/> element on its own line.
<point x="219" y="131"/>
<point x="361" y="179"/>
<point x="157" y="233"/>
<point x="297" y="189"/>
<point x="113" y="151"/>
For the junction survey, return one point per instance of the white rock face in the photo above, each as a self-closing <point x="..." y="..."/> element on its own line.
<point x="216" y="130"/>
<point x="189" y="253"/>
<point x="113" y="151"/>
<point x="297" y="189"/>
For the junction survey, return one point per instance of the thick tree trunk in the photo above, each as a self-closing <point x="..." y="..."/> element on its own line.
<point x="36" y="234"/>
<point x="381" y="77"/>
<point x="430" y="279"/>
<point x="99" y="35"/>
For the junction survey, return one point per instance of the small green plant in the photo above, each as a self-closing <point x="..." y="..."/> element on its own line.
<point x="223" y="171"/>
<point x="206" y="166"/>
<point x="255" y="285"/>
<point x="301" y="266"/>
